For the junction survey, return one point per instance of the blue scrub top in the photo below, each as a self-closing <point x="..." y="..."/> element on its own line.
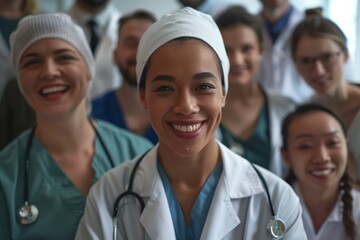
<point x="107" y="108"/>
<point x="199" y="211"/>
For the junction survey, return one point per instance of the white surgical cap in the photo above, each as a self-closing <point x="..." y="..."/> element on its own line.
<point x="186" y="22"/>
<point x="34" y="28"/>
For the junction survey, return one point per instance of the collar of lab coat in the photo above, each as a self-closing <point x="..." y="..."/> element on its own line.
<point x="238" y="180"/>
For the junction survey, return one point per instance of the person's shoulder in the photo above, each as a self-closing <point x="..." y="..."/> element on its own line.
<point x="279" y="190"/>
<point x="280" y="100"/>
<point x="271" y="178"/>
<point x="355" y="193"/>
<point x="121" y="135"/>
<point x="103" y="98"/>
<point x="13" y="154"/>
<point x="115" y="180"/>
<point x="356" y="196"/>
<point x="18" y="144"/>
<point x="98" y="104"/>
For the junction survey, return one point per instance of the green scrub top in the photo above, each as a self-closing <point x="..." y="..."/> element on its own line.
<point x="257" y="148"/>
<point x="59" y="201"/>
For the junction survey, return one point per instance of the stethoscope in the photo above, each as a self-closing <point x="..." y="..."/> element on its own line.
<point x="276" y="227"/>
<point x="29" y="213"/>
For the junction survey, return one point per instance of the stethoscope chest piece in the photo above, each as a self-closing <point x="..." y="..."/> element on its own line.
<point x="28" y="214"/>
<point x="276" y="227"/>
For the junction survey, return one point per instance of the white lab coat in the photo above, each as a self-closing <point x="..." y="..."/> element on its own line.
<point x="333" y="226"/>
<point x="239" y="209"/>
<point x="277" y="71"/>
<point x="279" y="106"/>
<point x="107" y="76"/>
<point x="354" y="140"/>
<point x="6" y="69"/>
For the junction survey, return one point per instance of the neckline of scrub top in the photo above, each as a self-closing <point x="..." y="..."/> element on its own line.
<point x="200" y="209"/>
<point x="257" y="148"/>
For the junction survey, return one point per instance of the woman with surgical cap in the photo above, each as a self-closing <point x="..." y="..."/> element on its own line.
<point x="46" y="173"/>
<point x="189" y="186"/>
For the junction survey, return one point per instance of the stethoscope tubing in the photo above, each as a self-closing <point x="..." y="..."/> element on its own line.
<point x="27" y="160"/>
<point x="129" y="192"/>
<point x="27" y="165"/>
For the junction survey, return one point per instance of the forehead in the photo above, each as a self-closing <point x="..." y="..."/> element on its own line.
<point x="239" y="32"/>
<point x="309" y="45"/>
<point x="314" y="123"/>
<point x="135" y="24"/>
<point x="49" y="44"/>
<point x="193" y="53"/>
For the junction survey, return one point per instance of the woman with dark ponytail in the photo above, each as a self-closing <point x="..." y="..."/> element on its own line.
<point x="315" y="148"/>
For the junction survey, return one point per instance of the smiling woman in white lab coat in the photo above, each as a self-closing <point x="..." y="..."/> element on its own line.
<point x="190" y="185"/>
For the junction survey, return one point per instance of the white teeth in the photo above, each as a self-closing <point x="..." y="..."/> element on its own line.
<point x="188" y="128"/>
<point x="54" y="89"/>
<point x="321" y="172"/>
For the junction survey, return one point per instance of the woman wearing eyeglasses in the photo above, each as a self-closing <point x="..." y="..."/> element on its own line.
<point x="320" y="53"/>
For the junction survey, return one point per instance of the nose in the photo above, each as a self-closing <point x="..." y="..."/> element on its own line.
<point x="322" y="154"/>
<point x="49" y="70"/>
<point x="237" y="58"/>
<point x="319" y="68"/>
<point x="185" y="104"/>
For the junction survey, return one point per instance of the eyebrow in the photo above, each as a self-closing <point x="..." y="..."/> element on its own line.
<point x="203" y="75"/>
<point x="306" y="135"/>
<point x="57" y="51"/>
<point x="197" y="76"/>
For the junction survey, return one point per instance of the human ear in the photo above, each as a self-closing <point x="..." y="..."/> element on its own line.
<point x="223" y="101"/>
<point x="142" y="98"/>
<point x="285" y="156"/>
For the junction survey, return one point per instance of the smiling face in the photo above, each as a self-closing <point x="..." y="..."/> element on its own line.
<point x="324" y="76"/>
<point x="244" y="52"/>
<point x="184" y="96"/>
<point x="316" y="151"/>
<point x="54" y="78"/>
<point x="125" y="53"/>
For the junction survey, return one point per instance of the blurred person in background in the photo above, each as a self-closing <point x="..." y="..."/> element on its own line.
<point x="319" y="50"/>
<point x="15" y="114"/>
<point x="251" y="118"/>
<point x="277" y="71"/>
<point x="99" y="19"/>
<point x="10" y="14"/>
<point x="122" y="107"/>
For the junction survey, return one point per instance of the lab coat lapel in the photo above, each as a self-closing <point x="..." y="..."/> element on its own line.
<point x="226" y="217"/>
<point x="156" y="217"/>
<point x="232" y="186"/>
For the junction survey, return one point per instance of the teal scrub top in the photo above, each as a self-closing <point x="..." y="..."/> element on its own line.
<point x="60" y="203"/>
<point x="257" y="148"/>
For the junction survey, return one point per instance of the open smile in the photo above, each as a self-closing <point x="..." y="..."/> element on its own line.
<point x="186" y="128"/>
<point x="53" y="90"/>
<point x="322" y="172"/>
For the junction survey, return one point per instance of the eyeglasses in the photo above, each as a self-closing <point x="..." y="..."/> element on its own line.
<point x="327" y="60"/>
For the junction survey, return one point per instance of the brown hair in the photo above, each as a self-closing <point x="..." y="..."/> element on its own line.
<point x="318" y="27"/>
<point x="139" y="14"/>
<point x="238" y="15"/>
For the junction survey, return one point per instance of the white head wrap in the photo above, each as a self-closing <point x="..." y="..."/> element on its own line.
<point x="57" y="25"/>
<point x="186" y="22"/>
